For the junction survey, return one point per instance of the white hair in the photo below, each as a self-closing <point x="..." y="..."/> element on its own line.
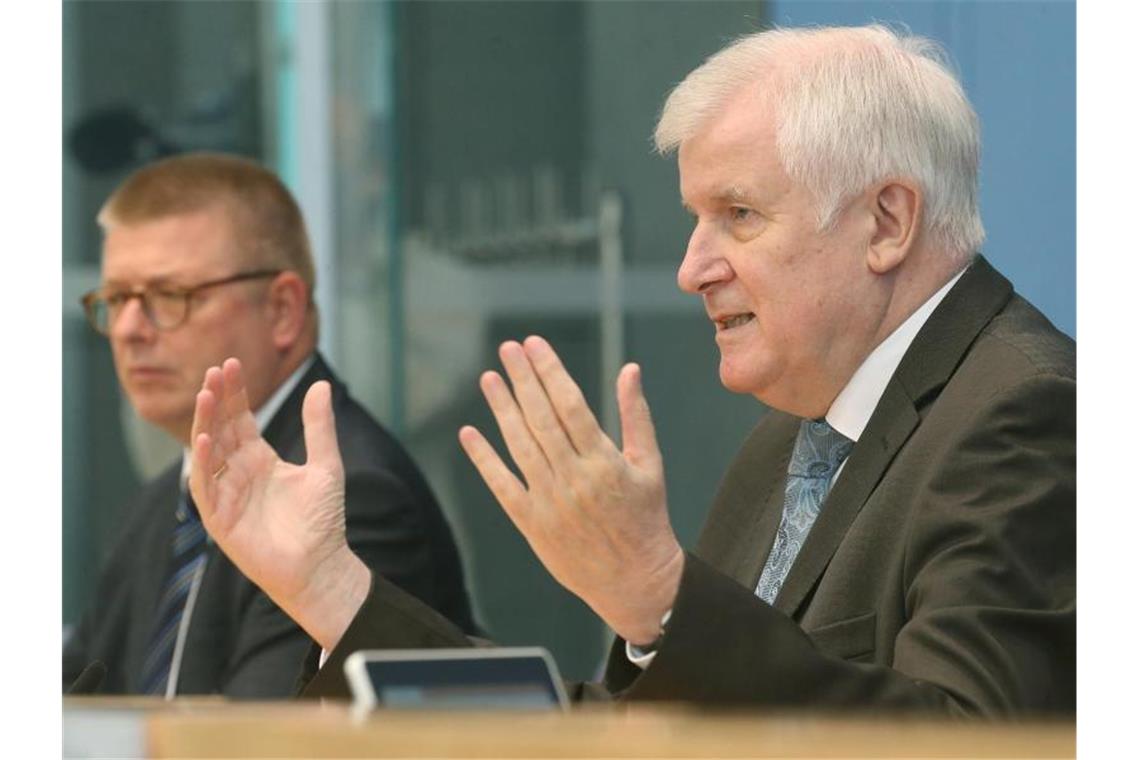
<point x="854" y="106"/>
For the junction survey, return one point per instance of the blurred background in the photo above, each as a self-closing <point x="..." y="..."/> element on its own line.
<point x="475" y="171"/>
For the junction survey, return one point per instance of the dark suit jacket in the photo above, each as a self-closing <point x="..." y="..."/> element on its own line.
<point x="940" y="574"/>
<point x="239" y="643"/>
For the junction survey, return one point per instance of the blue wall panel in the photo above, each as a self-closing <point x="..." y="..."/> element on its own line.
<point x="1017" y="61"/>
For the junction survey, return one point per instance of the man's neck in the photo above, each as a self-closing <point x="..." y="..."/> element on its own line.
<point x="915" y="285"/>
<point x="852" y="408"/>
<point x="264" y="413"/>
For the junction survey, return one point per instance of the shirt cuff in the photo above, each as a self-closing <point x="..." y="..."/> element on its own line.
<point x="638" y="656"/>
<point x="643" y="656"/>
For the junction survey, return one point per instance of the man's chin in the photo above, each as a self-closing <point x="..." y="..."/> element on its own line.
<point x="166" y="416"/>
<point x="736" y="380"/>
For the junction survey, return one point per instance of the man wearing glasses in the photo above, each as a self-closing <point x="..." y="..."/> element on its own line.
<point x="205" y="256"/>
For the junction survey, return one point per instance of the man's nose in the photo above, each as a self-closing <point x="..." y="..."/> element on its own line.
<point x="131" y="321"/>
<point x="703" y="265"/>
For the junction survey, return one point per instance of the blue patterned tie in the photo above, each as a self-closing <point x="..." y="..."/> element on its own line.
<point x="818" y="452"/>
<point x="186" y="556"/>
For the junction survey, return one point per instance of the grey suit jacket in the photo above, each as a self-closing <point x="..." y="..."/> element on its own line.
<point x="940" y="575"/>
<point x="239" y="643"/>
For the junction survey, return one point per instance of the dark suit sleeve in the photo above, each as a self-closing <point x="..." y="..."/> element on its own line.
<point x="384" y="528"/>
<point x="393" y="521"/>
<point x="389" y="619"/>
<point x="388" y="530"/>
<point x="988" y="591"/>
<point x="267" y="651"/>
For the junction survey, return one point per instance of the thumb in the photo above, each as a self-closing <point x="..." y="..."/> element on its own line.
<point x="639" y="440"/>
<point x="320" y="427"/>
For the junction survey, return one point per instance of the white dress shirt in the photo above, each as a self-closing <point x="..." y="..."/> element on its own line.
<point x="851" y="410"/>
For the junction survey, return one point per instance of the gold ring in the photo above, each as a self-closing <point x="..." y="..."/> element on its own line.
<point x="221" y="470"/>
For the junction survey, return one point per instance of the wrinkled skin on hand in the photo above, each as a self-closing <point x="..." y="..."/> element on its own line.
<point x="595" y="515"/>
<point x="281" y="524"/>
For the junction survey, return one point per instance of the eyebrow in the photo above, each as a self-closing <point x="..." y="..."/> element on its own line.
<point x="735" y="194"/>
<point x="150" y="282"/>
<point x="731" y="194"/>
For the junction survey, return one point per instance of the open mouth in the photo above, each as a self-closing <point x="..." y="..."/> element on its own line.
<point x="735" y="320"/>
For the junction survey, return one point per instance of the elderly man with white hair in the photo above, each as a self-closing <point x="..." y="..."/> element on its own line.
<point x="896" y="533"/>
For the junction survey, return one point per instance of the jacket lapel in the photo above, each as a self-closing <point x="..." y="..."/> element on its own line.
<point x="154" y="552"/>
<point x="285" y="431"/>
<point x="150" y="565"/>
<point x="925" y="368"/>
<point x="896" y="419"/>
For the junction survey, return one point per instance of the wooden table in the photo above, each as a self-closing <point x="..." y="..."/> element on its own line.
<point x="211" y="729"/>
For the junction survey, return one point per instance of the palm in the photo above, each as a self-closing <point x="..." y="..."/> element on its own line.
<point x="596" y="516"/>
<point x="277" y="521"/>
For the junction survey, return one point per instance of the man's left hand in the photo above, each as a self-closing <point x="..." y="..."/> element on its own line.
<point x="596" y="516"/>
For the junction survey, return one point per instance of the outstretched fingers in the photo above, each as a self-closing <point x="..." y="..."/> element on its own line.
<point x="639" y="439"/>
<point x="205" y="417"/>
<point x="503" y="484"/>
<point x="565" y="396"/>
<point x="235" y="401"/>
<point x="521" y="443"/>
<point x="535" y="403"/>
<point x="222" y="424"/>
<point x="204" y="457"/>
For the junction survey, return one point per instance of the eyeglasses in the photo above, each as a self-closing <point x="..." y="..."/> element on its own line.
<point x="165" y="307"/>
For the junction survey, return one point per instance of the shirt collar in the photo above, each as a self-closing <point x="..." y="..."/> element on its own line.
<point x="266" y="411"/>
<point x="852" y="408"/>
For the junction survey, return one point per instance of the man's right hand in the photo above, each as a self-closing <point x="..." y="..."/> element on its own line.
<point x="281" y="524"/>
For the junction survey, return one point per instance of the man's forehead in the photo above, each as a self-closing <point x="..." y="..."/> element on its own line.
<point x="169" y="247"/>
<point x="730" y="152"/>
<point x="749" y="115"/>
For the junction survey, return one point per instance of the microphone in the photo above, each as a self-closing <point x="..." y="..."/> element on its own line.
<point x="89" y="680"/>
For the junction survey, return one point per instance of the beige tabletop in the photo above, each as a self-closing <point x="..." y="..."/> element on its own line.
<point x="214" y="729"/>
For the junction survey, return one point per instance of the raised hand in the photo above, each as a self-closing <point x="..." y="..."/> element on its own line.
<point x="596" y="516"/>
<point x="281" y="524"/>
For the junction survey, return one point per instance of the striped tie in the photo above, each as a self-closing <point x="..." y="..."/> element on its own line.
<point x="818" y="452"/>
<point x="186" y="556"/>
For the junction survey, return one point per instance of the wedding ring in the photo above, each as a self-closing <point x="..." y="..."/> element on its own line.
<point x="221" y="470"/>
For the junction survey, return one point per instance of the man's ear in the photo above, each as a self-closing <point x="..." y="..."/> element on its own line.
<point x="897" y="207"/>
<point x="288" y="302"/>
